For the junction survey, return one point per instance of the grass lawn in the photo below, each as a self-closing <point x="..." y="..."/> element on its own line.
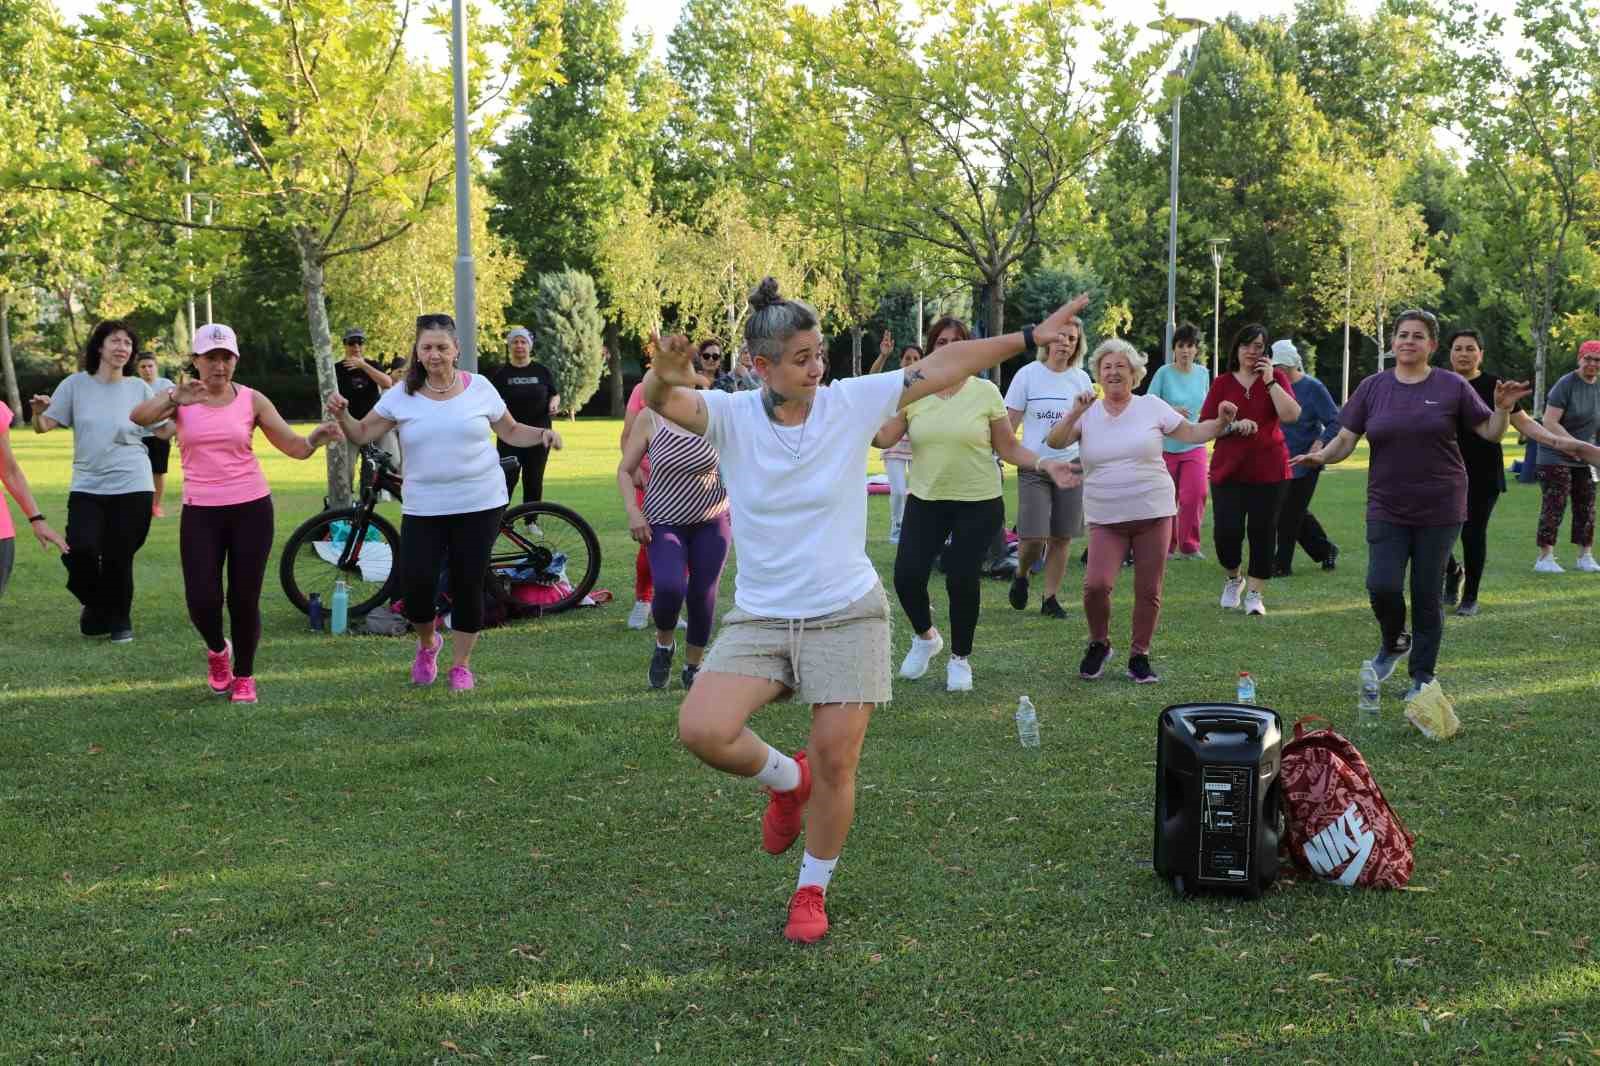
<point x="356" y="871"/>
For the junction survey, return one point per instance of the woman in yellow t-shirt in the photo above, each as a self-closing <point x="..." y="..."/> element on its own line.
<point x="954" y="493"/>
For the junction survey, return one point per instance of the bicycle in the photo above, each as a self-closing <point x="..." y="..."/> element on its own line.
<point x="541" y="543"/>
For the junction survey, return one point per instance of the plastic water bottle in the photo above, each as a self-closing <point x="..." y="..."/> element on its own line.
<point x="1247" y="688"/>
<point x="314" y="612"/>
<point x="341" y="606"/>
<point x="1367" y="694"/>
<point x="1027" y="723"/>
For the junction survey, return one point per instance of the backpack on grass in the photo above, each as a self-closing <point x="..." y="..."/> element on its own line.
<point x="1339" y="826"/>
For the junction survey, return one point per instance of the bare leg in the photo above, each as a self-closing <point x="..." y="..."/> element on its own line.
<point x="161" y="488"/>
<point x="711" y="722"/>
<point x="1055" y="565"/>
<point x="1028" y="553"/>
<point x="837" y="733"/>
<point x="461" y="646"/>
<point x="692" y="655"/>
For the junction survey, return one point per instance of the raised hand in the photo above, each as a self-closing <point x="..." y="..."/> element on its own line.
<point x="673" y="360"/>
<point x="337" y="405"/>
<point x="886" y="345"/>
<point x="39" y="403"/>
<point x="1507" y="394"/>
<point x="1052" y="327"/>
<point x="1083" y="401"/>
<point x="190" y="391"/>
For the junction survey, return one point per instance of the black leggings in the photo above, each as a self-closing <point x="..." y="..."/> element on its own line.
<point x="1296" y="524"/>
<point x="531" y="470"/>
<point x="104" y="533"/>
<point x="1238" y="506"/>
<point x="970" y="526"/>
<point x="1475" y="537"/>
<point x="464" y="541"/>
<point x="238" y="536"/>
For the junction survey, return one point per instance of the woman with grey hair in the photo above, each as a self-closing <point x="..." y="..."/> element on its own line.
<point x="452" y="488"/>
<point x="1128" y="496"/>
<point x="532" y="396"/>
<point x="810" y="616"/>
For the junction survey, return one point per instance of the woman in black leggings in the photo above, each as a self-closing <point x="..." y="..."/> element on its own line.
<point x="227" y="507"/>
<point x="453" y="490"/>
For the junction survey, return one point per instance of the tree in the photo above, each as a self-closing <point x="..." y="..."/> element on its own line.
<point x="1532" y="120"/>
<point x="300" y="120"/>
<point x="566" y="319"/>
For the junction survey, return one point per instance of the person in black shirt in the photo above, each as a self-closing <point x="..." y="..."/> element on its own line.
<point x="529" y="390"/>
<point x="361" y="383"/>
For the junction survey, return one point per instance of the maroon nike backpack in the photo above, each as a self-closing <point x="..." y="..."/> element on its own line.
<point x="1339" y="828"/>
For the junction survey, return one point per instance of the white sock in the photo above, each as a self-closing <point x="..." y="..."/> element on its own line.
<point x="668" y="647"/>
<point x="815" y="871"/>
<point x="781" y="773"/>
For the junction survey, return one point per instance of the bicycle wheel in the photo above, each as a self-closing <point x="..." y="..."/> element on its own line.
<point x="363" y="551"/>
<point x="538" y="541"/>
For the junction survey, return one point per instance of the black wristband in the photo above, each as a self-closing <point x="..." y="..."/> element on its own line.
<point x="36" y="518"/>
<point x="1027" y="338"/>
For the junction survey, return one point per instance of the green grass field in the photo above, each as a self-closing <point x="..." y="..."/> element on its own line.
<point x="355" y="871"/>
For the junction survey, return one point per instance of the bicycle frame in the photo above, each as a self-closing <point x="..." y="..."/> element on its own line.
<point x="377" y="475"/>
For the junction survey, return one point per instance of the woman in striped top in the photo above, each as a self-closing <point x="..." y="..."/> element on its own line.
<point x="683" y="525"/>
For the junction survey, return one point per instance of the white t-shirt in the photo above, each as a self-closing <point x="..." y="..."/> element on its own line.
<point x="1044" y="397"/>
<point x="452" y="466"/>
<point x="1124" y="477"/>
<point x="798" y="497"/>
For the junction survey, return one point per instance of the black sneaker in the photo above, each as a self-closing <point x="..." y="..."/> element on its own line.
<point x="90" y="624"/>
<point x="1094" y="660"/>
<point x="1051" y="608"/>
<point x="689" y="672"/>
<point x="1139" y="670"/>
<point x="121" y="633"/>
<point x="1019" y="593"/>
<point x="1452" y="583"/>
<point x="661" y="666"/>
<point x="1331" y="560"/>
<point x="1282" y="571"/>
<point x="1388" y="658"/>
<point x="1468" y="608"/>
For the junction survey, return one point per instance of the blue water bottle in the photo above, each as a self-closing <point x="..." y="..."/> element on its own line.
<point x="1247" y="687"/>
<point x="314" y="612"/>
<point x="341" y="606"/>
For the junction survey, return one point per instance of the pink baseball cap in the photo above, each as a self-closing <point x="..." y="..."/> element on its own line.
<point x="214" y="335"/>
<point x="1589" y="348"/>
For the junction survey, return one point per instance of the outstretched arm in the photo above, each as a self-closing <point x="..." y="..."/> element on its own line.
<point x="283" y="437"/>
<point x="1343" y="443"/>
<point x="954" y="363"/>
<point x="1068" y="430"/>
<point x="519" y="435"/>
<point x="365" y="431"/>
<point x="1210" y="429"/>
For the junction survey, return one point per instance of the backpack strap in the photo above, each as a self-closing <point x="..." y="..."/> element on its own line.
<point x="1300" y="723"/>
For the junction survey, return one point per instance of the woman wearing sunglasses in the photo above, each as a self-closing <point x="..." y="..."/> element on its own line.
<point x="453" y="489"/>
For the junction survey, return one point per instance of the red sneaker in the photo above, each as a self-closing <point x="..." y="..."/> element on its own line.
<point x="808" y="917"/>
<point x="244" y="690"/>
<point x="781" y="824"/>
<point x="219" y="669"/>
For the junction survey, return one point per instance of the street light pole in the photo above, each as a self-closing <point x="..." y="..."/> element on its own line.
<point x="1216" y="297"/>
<point x="466" y="279"/>
<point x="1172" y="212"/>
<point x="1346" y="398"/>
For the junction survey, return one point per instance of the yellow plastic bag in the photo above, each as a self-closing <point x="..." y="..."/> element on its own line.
<point x="1432" y="712"/>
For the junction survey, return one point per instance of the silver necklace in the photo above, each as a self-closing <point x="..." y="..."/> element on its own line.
<point x="431" y="387"/>
<point x="794" y="453"/>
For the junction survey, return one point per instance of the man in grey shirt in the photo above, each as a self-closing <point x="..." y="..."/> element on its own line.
<point x="1573" y="405"/>
<point x="160" y="449"/>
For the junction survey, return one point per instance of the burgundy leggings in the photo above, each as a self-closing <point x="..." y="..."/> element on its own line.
<point x="1108" y="546"/>
<point x="238" y="537"/>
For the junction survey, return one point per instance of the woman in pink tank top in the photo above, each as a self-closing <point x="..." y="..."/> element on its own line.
<point x="227" y="506"/>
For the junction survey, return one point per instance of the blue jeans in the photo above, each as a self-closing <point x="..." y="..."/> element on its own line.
<point x="1390" y="547"/>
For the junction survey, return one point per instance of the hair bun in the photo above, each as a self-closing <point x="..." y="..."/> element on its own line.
<point x="765" y="295"/>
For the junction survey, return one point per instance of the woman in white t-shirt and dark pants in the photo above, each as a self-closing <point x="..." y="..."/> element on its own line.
<point x="453" y="490"/>
<point x="1128" y="496"/>
<point x="810" y="616"/>
<point x="1048" y="516"/>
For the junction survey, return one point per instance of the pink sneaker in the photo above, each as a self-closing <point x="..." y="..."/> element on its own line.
<point x="244" y="690"/>
<point x="460" y="679"/>
<point x="425" y="667"/>
<point x="219" y="669"/>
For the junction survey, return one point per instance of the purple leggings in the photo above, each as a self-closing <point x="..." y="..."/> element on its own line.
<point x="686" y="562"/>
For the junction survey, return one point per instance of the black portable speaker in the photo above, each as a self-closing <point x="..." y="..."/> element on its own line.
<point x="1218" y="802"/>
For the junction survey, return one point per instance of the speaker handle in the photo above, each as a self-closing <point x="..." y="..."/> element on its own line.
<point x="1221" y="723"/>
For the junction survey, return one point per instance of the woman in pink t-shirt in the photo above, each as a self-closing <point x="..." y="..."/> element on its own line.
<point x="17" y="484"/>
<point x="1128" y="499"/>
<point x="227" y="506"/>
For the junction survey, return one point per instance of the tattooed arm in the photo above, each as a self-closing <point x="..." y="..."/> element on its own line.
<point x="954" y="363"/>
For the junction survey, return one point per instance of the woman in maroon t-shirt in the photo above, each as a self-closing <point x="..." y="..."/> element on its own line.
<point x="1249" y="465"/>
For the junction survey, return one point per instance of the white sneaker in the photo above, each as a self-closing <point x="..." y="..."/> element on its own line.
<point x="1253" y="604"/>
<point x="683" y="623"/>
<point x="639" y="615"/>
<point x="1190" y="556"/>
<point x="1587" y="564"/>
<point x="958" y="675"/>
<point x="922" y="652"/>
<point x="1547" y="565"/>
<point x="1231" y="589"/>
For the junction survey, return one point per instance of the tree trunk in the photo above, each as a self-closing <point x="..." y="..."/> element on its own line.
<point x="1541" y="345"/>
<point x="855" y="350"/>
<point x="313" y="285"/>
<point x="13" y="395"/>
<point x="997" y="317"/>
<point x="618" y="386"/>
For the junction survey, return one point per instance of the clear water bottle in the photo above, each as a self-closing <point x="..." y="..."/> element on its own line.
<point x="1246" y="692"/>
<point x="1027" y="723"/>
<point x="341" y="607"/>
<point x="1367" y="694"/>
<point x="314" y="612"/>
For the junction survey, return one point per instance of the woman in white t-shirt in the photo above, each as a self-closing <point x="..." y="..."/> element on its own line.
<point x="1038" y="397"/>
<point x="810" y="616"/>
<point x="897" y="456"/>
<point x="452" y="489"/>
<point x="1128" y="498"/>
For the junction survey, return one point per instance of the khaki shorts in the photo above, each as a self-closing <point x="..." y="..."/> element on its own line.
<point x="1046" y="511"/>
<point x="841" y="657"/>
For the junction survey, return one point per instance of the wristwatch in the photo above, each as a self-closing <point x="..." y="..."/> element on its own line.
<point x="1027" y="338"/>
<point x="36" y="518"/>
